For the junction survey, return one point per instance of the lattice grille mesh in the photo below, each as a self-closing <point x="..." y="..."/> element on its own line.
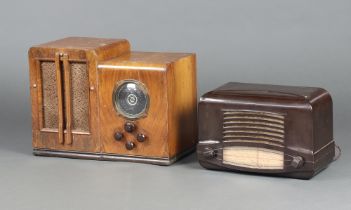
<point x="50" y="101"/>
<point x="80" y="96"/>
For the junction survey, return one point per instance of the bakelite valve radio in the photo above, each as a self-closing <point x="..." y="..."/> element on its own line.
<point x="95" y="99"/>
<point x="268" y="129"/>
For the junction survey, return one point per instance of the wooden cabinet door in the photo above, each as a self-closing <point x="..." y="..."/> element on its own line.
<point x="63" y="104"/>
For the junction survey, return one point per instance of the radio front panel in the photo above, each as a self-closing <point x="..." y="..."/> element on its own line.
<point x="253" y="140"/>
<point x="133" y="119"/>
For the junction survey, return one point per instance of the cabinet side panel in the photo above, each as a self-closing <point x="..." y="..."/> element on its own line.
<point x="323" y="144"/>
<point x="34" y="96"/>
<point x="323" y="121"/>
<point x="182" y="111"/>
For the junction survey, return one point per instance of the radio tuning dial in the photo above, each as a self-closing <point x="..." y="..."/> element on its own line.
<point x="129" y="127"/>
<point x="130" y="145"/>
<point x="141" y="137"/>
<point x="118" y="136"/>
<point x="131" y="99"/>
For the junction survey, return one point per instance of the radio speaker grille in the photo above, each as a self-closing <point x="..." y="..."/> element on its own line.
<point x="50" y="101"/>
<point x="257" y="127"/>
<point x="80" y="96"/>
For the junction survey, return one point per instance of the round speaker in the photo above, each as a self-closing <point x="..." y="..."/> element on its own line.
<point x="131" y="99"/>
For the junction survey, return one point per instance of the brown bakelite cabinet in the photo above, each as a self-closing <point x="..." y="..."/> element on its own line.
<point x="95" y="99"/>
<point x="268" y="129"/>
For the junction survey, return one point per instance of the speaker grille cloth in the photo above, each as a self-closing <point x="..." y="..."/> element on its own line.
<point x="50" y="101"/>
<point x="80" y="97"/>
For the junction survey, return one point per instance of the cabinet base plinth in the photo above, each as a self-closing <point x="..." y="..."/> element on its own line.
<point x="111" y="157"/>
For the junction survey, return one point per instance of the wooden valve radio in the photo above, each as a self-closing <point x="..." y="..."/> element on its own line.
<point x="278" y="130"/>
<point x="95" y="99"/>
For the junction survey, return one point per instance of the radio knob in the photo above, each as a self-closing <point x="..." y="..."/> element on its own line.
<point x="141" y="137"/>
<point x="209" y="153"/>
<point x="130" y="145"/>
<point x="129" y="127"/>
<point x="118" y="136"/>
<point x="297" y="162"/>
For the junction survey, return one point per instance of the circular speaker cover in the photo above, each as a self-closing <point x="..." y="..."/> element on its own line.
<point x="131" y="99"/>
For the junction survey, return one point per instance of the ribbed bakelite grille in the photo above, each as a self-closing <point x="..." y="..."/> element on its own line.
<point x="257" y="127"/>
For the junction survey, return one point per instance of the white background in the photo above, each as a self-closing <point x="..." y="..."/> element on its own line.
<point x="301" y="42"/>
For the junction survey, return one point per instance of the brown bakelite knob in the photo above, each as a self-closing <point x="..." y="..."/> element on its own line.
<point x="129" y="127"/>
<point x="130" y="145"/>
<point x="141" y="137"/>
<point x="118" y="136"/>
<point x="209" y="153"/>
<point x="297" y="162"/>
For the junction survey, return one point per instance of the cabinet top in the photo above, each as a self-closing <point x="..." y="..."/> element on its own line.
<point x="144" y="59"/>
<point x="235" y="90"/>
<point x="80" y="43"/>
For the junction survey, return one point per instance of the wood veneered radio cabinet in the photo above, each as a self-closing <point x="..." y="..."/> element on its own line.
<point x="95" y="99"/>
